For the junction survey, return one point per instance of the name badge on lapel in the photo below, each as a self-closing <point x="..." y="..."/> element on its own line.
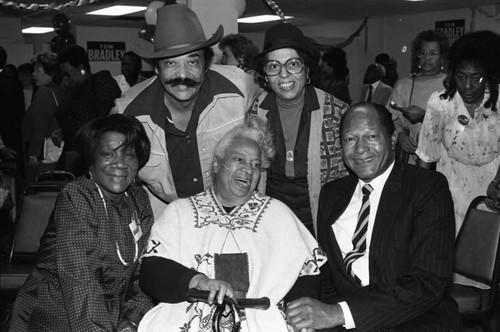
<point x="135" y="228"/>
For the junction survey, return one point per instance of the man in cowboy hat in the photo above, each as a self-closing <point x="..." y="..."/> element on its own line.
<point x="187" y="107"/>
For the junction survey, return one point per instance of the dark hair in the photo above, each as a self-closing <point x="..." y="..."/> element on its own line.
<point x="375" y="72"/>
<point x="207" y="53"/>
<point x="309" y="60"/>
<point x="135" y="58"/>
<point x="384" y="117"/>
<point x="3" y="57"/>
<point x="241" y="47"/>
<point x="382" y="58"/>
<point x="437" y="36"/>
<point x="337" y="59"/>
<point x="75" y="55"/>
<point x="90" y="134"/>
<point x="481" y="49"/>
<point x="26" y="68"/>
<point x="48" y="61"/>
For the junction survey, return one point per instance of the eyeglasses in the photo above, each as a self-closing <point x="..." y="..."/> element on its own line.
<point x="293" y="66"/>
<point x="433" y="54"/>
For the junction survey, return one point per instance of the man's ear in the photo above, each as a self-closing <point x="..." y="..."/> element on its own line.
<point x="394" y="140"/>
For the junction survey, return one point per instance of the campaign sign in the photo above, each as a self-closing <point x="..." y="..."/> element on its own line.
<point x="453" y="29"/>
<point x="105" y="51"/>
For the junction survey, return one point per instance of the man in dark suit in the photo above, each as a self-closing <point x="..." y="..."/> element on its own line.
<point x="388" y="231"/>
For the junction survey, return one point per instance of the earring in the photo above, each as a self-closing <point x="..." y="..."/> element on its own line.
<point x="308" y="80"/>
<point x="83" y="72"/>
<point x="442" y="67"/>
<point x="89" y="174"/>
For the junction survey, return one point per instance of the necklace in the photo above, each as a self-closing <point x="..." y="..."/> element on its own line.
<point x="118" y="252"/>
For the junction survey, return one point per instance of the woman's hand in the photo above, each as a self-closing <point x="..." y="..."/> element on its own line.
<point x="414" y="114"/>
<point x="407" y="143"/>
<point x="493" y="192"/>
<point x="217" y="288"/>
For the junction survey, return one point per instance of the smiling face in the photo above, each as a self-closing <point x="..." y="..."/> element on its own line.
<point x="471" y="83"/>
<point x="237" y="174"/>
<point x="368" y="148"/>
<point x="182" y="76"/>
<point x="288" y="87"/>
<point x="114" y="167"/>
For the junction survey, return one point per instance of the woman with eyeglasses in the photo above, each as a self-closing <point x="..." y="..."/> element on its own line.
<point x="410" y="95"/>
<point x="305" y="121"/>
<point x="87" y="270"/>
<point x="461" y="128"/>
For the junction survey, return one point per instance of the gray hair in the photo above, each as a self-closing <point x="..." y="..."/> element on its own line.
<point x="255" y="129"/>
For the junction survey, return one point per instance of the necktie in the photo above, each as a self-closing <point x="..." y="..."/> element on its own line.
<point x="370" y="93"/>
<point x="359" y="237"/>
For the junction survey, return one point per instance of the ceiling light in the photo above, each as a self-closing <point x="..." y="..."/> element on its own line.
<point x="117" y="10"/>
<point x="38" y="30"/>
<point x="261" y="18"/>
<point x="415" y="0"/>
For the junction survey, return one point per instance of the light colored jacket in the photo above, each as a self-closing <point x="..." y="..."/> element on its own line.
<point x="324" y="147"/>
<point x="226" y="111"/>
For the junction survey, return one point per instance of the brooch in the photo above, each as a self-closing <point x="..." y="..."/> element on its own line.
<point x="463" y="120"/>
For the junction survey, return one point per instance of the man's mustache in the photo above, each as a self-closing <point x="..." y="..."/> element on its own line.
<point x="183" y="81"/>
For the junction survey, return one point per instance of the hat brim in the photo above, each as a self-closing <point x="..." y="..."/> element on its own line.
<point x="146" y="49"/>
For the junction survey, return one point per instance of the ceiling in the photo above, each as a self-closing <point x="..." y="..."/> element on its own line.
<point x="306" y="12"/>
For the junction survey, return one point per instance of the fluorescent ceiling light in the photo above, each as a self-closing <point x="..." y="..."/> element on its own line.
<point x="117" y="10"/>
<point x="261" y="19"/>
<point x="37" y="30"/>
<point x="415" y="0"/>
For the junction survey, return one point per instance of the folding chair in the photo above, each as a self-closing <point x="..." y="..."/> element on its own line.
<point x="477" y="257"/>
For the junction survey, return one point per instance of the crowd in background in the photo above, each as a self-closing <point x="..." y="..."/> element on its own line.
<point x="171" y="135"/>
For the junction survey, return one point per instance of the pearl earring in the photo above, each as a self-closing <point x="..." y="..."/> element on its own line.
<point x="83" y="72"/>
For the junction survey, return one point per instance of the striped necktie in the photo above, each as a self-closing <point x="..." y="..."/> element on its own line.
<point x="359" y="237"/>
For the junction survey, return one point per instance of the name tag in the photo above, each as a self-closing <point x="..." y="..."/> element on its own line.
<point x="135" y="229"/>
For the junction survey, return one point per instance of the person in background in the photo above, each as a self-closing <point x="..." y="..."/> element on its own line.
<point x="186" y="108"/>
<point x="304" y="119"/>
<point x="88" y="96"/>
<point x="40" y="121"/>
<point x="131" y="71"/>
<point x="410" y="96"/>
<point x="388" y="233"/>
<point x="238" y="50"/>
<point x="374" y="90"/>
<point x="390" y="66"/>
<point x="25" y="74"/>
<point x="461" y="128"/>
<point x="229" y="240"/>
<point x="335" y="74"/>
<point x="11" y="115"/>
<point x="86" y="275"/>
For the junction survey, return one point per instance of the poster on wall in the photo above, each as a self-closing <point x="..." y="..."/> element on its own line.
<point x="453" y="29"/>
<point x="105" y="51"/>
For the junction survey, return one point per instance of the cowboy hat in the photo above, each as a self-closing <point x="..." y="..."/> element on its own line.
<point x="178" y="31"/>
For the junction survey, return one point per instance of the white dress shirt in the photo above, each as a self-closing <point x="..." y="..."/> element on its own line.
<point x="344" y="229"/>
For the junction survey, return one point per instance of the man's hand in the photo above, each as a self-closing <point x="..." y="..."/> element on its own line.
<point x="307" y="313"/>
<point x="217" y="288"/>
<point x="407" y="143"/>
<point x="126" y="326"/>
<point x="414" y="114"/>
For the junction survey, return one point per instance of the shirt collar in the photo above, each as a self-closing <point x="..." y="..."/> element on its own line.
<point x="379" y="182"/>
<point x="375" y="84"/>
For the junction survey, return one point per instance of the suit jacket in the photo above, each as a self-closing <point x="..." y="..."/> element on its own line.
<point x="411" y="253"/>
<point x="380" y="95"/>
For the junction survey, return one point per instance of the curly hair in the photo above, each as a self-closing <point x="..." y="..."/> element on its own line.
<point x="241" y="47"/>
<point x="48" y="61"/>
<point x="337" y="59"/>
<point x="481" y="49"/>
<point x="437" y="36"/>
<point x="75" y="55"/>
<point x="255" y="129"/>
